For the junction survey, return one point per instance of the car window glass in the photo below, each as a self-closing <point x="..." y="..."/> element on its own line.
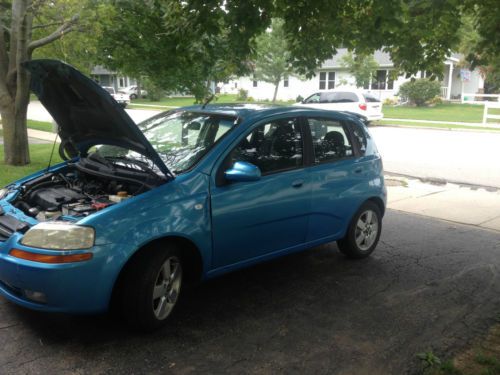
<point x="370" y="98"/>
<point x="313" y="98"/>
<point x="272" y="147"/>
<point x="330" y="140"/>
<point x="360" y="136"/>
<point x="338" y="97"/>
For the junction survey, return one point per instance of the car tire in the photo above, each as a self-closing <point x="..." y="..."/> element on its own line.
<point x="133" y="96"/>
<point x="363" y="233"/>
<point x="151" y="287"/>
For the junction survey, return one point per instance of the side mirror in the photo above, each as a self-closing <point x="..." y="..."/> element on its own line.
<point x="243" y="171"/>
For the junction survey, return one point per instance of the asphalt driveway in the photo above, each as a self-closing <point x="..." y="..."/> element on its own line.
<point x="431" y="285"/>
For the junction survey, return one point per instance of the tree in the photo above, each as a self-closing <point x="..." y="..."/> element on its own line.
<point x="180" y="47"/>
<point x="272" y="56"/>
<point x="361" y="67"/>
<point x="25" y="26"/>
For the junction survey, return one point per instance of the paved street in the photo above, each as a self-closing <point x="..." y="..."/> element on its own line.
<point x="430" y="285"/>
<point x="457" y="156"/>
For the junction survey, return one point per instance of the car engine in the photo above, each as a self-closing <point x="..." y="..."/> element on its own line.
<point x="84" y="187"/>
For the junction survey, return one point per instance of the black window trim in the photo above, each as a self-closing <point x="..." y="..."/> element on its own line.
<point x="219" y="174"/>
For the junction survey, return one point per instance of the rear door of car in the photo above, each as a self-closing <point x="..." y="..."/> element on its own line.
<point x="336" y="172"/>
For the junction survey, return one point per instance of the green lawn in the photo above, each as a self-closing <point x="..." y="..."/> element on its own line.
<point x="441" y="112"/>
<point x="185" y="101"/>
<point x="40" y="155"/>
<point x="40" y="125"/>
<point x="432" y="125"/>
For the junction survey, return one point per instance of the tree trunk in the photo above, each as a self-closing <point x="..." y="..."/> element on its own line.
<point x="16" y="151"/>
<point x="276" y="86"/>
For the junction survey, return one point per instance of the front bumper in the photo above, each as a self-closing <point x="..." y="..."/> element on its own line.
<point x="80" y="287"/>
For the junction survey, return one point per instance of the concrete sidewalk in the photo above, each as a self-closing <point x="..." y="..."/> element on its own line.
<point x="466" y="205"/>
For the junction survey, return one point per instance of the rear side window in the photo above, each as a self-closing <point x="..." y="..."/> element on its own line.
<point x="369" y="98"/>
<point x="339" y="97"/>
<point x="359" y="137"/>
<point x="330" y="140"/>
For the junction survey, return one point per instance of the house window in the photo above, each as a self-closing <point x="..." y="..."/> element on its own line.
<point x="322" y="80"/>
<point x="378" y="80"/>
<point x="236" y="85"/>
<point x="122" y="82"/>
<point x="390" y="80"/>
<point x="254" y="81"/>
<point x="285" y="81"/>
<point x="326" y="79"/>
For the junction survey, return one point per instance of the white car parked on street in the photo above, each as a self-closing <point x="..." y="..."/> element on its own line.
<point x="120" y="97"/>
<point x="363" y="104"/>
<point x="133" y="92"/>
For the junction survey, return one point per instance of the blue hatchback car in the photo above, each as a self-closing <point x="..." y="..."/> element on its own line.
<point x="136" y="211"/>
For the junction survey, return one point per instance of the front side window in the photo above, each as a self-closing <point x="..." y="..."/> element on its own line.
<point x="330" y="140"/>
<point x="314" y="98"/>
<point x="274" y="146"/>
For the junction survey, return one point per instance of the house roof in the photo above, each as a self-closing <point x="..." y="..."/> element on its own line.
<point x="101" y="70"/>
<point x="382" y="58"/>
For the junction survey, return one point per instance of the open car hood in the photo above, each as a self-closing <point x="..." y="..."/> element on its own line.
<point x="86" y="114"/>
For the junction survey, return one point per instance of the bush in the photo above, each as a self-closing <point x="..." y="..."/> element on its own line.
<point x="299" y="99"/>
<point x="242" y="95"/>
<point x="391" y="101"/>
<point x="435" y="100"/>
<point x="419" y="91"/>
<point x="155" y="93"/>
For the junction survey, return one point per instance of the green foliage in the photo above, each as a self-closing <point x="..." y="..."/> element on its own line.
<point x="242" y="95"/>
<point x="155" y="93"/>
<point x="362" y="67"/>
<point x="299" y="99"/>
<point x="429" y="360"/>
<point x="79" y="47"/>
<point x="182" y="46"/>
<point x="419" y="91"/>
<point x="272" y="57"/>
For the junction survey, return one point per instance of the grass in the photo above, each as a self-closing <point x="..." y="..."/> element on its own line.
<point x="40" y="125"/>
<point x="482" y="358"/>
<point x="434" y="125"/>
<point x="39" y="154"/>
<point x="186" y="101"/>
<point x="441" y="112"/>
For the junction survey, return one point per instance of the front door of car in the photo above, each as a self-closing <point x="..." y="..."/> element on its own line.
<point x="251" y="219"/>
<point x="336" y="173"/>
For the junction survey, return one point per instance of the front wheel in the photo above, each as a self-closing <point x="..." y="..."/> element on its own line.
<point x="363" y="232"/>
<point x="151" y="288"/>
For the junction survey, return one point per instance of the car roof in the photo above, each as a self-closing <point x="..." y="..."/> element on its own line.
<point x="260" y="111"/>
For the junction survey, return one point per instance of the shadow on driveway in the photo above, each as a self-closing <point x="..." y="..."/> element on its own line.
<point x="430" y="285"/>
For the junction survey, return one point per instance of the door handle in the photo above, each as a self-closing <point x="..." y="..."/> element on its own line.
<point x="297" y="183"/>
<point x="358" y="170"/>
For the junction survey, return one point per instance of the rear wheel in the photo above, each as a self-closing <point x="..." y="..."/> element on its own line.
<point x="363" y="233"/>
<point x="151" y="288"/>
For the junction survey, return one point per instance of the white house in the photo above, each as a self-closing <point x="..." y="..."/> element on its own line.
<point x="107" y="77"/>
<point x="332" y="74"/>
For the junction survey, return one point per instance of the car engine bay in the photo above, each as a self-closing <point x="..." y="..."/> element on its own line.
<point x="84" y="187"/>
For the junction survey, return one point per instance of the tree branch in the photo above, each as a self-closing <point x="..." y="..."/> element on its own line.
<point x="46" y="25"/>
<point x="65" y="28"/>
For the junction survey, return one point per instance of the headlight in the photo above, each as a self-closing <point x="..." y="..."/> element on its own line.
<point x="3" y="193"/>
<point x="59" y="236"/>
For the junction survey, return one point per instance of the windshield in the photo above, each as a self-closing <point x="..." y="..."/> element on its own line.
<point x="180" y="138"/>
